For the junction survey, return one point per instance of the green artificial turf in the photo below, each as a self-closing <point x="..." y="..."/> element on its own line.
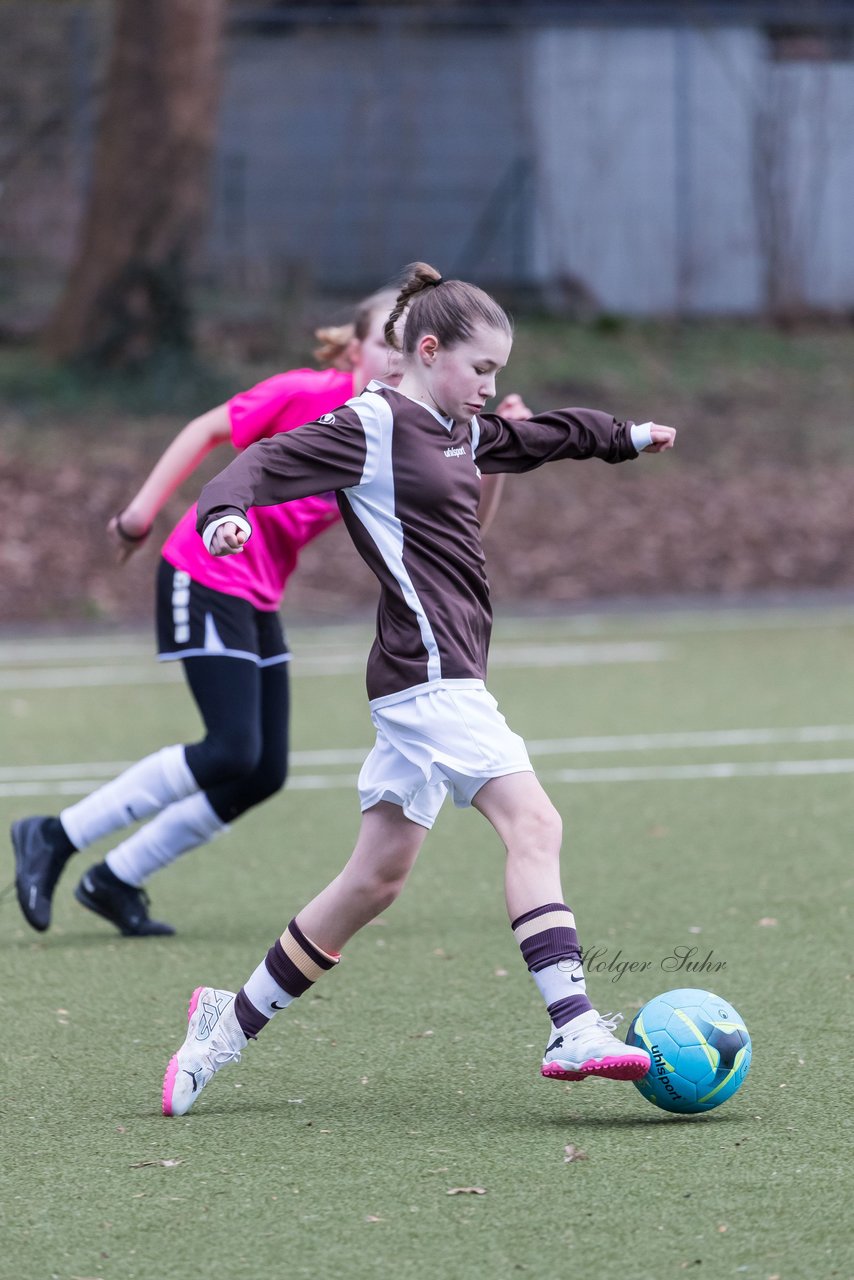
<point x="331" y="1149"/>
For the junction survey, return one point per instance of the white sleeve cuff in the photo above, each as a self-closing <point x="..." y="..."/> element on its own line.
<point x="641" y="433"/>
<point x="211" y="528"/>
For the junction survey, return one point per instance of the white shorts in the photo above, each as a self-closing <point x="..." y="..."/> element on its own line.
<point x="448" y="739"/>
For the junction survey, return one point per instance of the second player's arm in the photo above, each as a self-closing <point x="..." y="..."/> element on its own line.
<point x="178" y="460"/>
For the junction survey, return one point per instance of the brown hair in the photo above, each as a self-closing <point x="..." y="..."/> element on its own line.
<point x="450" y="309"/>
<point x="335" y="339"/>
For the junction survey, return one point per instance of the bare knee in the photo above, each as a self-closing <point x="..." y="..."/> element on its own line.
<point x="536" y="832"/>
<point x="386" y="880"/>
<point x="381" y="893"/>
<point x="378" y="890"/>
<point x="379" y="880"/>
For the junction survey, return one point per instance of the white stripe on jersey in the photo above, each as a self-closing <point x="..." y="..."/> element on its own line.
<point x="475" y="438"/>
<point x="475" y="441"/>
<point x="373" y="504"/>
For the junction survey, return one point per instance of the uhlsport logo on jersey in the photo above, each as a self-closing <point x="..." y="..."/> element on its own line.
<point x="328" y="419"/>
<point x="455" y="453"/>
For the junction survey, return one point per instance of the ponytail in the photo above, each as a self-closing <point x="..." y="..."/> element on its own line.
<point x="418" y="276"/>
<point x="334" y="341"/>
<point x="450" y="309"/>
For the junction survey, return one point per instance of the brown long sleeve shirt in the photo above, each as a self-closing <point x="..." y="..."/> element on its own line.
<point x="408" y="484"/>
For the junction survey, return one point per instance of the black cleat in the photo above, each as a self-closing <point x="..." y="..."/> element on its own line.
<point x="122" y="904"/>
<point x="41" y="851"/>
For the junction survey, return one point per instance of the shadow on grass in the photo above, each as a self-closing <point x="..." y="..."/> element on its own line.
<point x="366" y="1117"/>
<point x="639" y="1121"/>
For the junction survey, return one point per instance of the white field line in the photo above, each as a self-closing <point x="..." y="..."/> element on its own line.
<point x="689" y="772"/>
<point x="693" y="738"/>
<point x="26" y="680"/>
<point x="653" y="773"/>
<point x="614" y="744"/>
<point x="80" y="778"/>
<point x="19" y="679"/>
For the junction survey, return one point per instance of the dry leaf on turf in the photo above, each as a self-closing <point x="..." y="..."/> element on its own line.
<point x="571" y="1154"/>
<point x="162" y="1164"/>
<point x="466" y="1191"/>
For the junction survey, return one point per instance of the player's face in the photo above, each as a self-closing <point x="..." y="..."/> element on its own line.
<point x="374" y="358"/>
<point x="461" y="379"/>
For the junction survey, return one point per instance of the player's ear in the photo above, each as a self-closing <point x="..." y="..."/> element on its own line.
<point x="428" y="346"/>
<point x="353" y="352"/>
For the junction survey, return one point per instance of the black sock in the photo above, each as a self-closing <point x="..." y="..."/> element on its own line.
<point x="107" y="878"/>
<point x="56" y="833"/>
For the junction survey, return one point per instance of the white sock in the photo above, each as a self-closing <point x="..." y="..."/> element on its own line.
<point x="182" y="826"/>
<point x="263" y="992"/>
<point x="558" y="981"/>
<point x="145" y="788"/>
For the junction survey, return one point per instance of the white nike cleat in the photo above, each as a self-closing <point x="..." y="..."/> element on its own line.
<point x="586" y="1047"/>
<point x="214" y="1038"/>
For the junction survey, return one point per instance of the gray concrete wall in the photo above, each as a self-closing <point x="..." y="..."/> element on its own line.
<point x="657" y="170"/>
<point x="685" y="171"/>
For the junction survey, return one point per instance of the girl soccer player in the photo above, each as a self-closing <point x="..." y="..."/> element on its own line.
<point x="405" y="463"/>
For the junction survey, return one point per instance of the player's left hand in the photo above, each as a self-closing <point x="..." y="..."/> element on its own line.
<point x="662" y="438"/>
<point x="513" y="406"/>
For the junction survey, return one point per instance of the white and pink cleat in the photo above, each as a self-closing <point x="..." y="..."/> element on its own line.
<point x="586" y="1047"/>
<point x="214" y="1038"/>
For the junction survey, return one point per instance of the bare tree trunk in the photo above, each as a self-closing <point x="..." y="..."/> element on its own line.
<point x="126" y="294"/>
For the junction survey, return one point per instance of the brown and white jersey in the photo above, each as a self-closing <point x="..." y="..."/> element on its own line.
<point x="408" y="485"/>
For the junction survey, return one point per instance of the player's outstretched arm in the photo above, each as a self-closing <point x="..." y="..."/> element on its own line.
<point x="129" y="529"/>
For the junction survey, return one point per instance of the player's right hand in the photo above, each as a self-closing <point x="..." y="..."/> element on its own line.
<point x="227" y="540"/>
<point x="126" y="537"/>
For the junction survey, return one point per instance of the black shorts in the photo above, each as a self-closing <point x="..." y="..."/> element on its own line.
<point x="195" y="621"/>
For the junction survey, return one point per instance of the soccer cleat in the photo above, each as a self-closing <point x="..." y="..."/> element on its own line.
<point x="586" y="1047"/>
<point x="41" y="851"/>
<point x="124" y="905"/>
<point x="214" y="1038"/>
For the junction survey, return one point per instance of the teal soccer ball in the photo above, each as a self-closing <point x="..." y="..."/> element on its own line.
<point x="700" y="1050"/>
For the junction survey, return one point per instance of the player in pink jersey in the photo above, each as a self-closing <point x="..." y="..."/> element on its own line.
<point x="220" y="619"/>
